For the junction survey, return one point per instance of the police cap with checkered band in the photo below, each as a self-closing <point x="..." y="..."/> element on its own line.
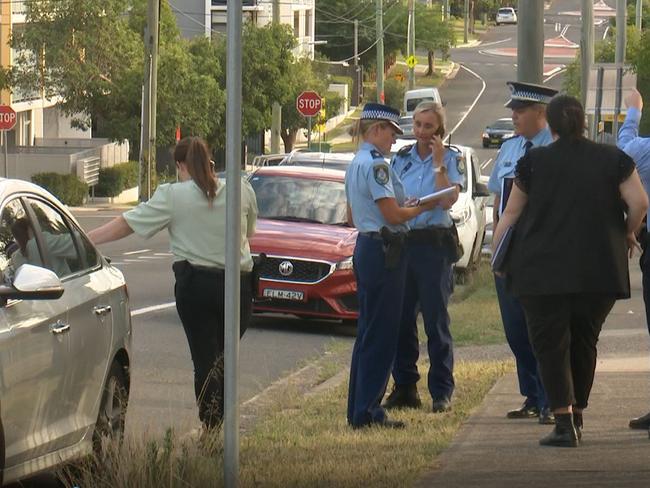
<point x="378" y="111"/>
<point x="526" y="94"/>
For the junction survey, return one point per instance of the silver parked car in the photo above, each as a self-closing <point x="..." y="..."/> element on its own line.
<point x="65" y="336"/>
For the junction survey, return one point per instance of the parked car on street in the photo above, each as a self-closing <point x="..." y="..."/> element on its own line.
<point x="65" y="336"/>
<point x="413" y="97"/>
<point x="506" y="15"/>
<point x="302" y="229"/>
<point x="406" y="124"/>
<point x="319" y="160"/>
<point x="498" y="132"/>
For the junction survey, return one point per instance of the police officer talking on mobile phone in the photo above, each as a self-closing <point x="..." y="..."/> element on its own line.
<point x="375" y="207"/>
<point x="431" y="249"/>
<point x="528" y="104"/>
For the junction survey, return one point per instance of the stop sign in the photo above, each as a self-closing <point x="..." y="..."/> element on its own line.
<point x="7" y="117"/>
<point x="308" y="103"/>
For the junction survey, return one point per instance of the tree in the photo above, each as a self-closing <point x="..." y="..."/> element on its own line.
<point x="304" y="75"/>
<point x="90" y="56"/>
<point x="432" y="34"/>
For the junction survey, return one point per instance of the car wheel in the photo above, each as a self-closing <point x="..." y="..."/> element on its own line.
<point x="498" y="24"/>
<point x="486" y="144"/>
<point x="2" y="453"/>
<point x="112" y="410"/>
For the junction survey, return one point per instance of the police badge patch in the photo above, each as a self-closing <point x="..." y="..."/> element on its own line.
<point x="381" y="173"/>
<point x="460" y="164"/>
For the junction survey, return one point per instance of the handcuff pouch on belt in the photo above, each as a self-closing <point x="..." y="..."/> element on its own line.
<point x="443" y="237"/>
<point x="393" y="245"/>
<point x="258" y="263"/>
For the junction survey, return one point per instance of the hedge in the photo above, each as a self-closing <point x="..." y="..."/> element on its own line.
<point x="67" y="188"/>
<point x="116" y="179"/>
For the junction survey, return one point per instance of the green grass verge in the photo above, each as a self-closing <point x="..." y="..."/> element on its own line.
<point x="304" y="444"/>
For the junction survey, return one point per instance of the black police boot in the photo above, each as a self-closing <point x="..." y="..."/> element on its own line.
<point x="641" y="423"/>
<point x="564" y="434"/>
<point x="403" y="396"/>
<point x="546" y="416"/>
<point x="577" y="422"/>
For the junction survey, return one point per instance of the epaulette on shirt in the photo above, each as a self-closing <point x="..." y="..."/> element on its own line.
<point x="376" y="154"/>
<point x="405" y="150"/>
<point x="508" y="141"/>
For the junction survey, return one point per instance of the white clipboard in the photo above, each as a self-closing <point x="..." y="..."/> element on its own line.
<point x="433" y="196"/>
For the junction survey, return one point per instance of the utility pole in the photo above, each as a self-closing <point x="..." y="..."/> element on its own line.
<point x="380" y="51"/>
<point x="232" y="278"/>
<point x="149" y="98"/>
<point x="619" y="59"/>
<point x="639" y="15"/>
<point x="466" y="15"/>
<point x="276" y="108"/>
<point x="530" y="41"/>
<point x="586" y="47"/>
<point x="411" y="43"/>
<point x="446" y="12"/>
<point x="357" y="72"/>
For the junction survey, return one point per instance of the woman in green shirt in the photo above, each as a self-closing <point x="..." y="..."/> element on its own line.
<point x="194" y="213"/>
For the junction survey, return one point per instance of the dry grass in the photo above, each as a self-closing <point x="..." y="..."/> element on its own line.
<point x="306" y="443"/>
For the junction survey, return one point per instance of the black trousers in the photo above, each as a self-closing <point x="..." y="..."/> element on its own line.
<point x="200" y="305"/>
<point x="563" y="331"/>
<point x="644" y="264"/>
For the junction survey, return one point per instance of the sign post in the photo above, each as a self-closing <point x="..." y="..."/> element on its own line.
<point x="7" y="122"/>
<point x="308" y="104"/>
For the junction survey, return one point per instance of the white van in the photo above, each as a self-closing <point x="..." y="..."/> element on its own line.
<point x="413" y="97"/>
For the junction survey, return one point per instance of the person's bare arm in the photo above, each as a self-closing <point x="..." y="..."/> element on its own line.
<point x="350" y="220"/>
<point x="111" y="231"/>
<point x="495" y="211"/>
<point x="636" y="199"/>
<point x="394" y="214"/>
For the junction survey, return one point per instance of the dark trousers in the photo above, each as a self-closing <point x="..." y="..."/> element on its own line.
<point x="429" y="284"/>
<point x="644" y="263"/>
<point x="516" y="330"/>
<point x="564" y="331"/>
<point x="200" y="305"/>
<point x="380" y="292"/>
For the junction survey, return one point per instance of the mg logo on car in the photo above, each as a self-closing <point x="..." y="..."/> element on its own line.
<point x="285" y="268"/>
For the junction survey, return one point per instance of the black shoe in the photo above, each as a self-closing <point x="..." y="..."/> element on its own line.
<point x="564" y="434"/>
<point x="546" y="417"/>
<point x="384" y="424"/>
<point x="577" y="423"/>
<point x="441" y="405"/>
<point x="525" y="412"/>
<point x="403" y="396"/>
<point x="641" y="423"/>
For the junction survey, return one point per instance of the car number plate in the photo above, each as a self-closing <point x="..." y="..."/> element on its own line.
<point x="495" y="141"/>
<point x="284" y="294"/>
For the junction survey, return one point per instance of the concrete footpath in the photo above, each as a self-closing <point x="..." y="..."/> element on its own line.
<point x="492" y="451"/>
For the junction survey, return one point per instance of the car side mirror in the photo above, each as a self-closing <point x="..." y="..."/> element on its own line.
<point x="481" y="190"/>
<point x="33" y="283"/>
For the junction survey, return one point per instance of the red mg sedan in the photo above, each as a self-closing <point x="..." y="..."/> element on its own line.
<point x="303" y="231"/>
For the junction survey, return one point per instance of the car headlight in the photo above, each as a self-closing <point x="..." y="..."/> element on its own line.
<point x="462" y="216"/>
<point x="345" y="264"/>
<point x="485" y="135"/>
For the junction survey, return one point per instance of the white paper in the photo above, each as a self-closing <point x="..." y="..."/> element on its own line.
<point x="433" y="196"/>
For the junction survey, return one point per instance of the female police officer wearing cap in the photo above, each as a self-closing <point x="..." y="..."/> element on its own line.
<point x="375" y="198"/>
<point x="193" y="212"/>
<point x="431" y="248"/>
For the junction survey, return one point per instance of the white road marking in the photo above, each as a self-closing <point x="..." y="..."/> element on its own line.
<point x="150" y="257"/>
<point x="167" y="254"/>
<point x="561" y="70"/>
<point x="605" y="33"/>
<point x="136" y="252"/>
<point x="152" y="308"/>
<point x="486" y="163"/>
<point x="132" y="261"/>
<point x="118" y="263"/>
<point x="496" y="42"/>
<point x="471" y="106"/>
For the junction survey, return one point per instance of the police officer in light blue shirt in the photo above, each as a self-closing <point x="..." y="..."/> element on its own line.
<point x="638" y="148"/>
<point x="375" y="207"/>
<point x="431" y="248"/>
<point x="528" y="104"/>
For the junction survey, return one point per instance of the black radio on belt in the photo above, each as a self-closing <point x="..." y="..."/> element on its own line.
<point x="393" y="245"/>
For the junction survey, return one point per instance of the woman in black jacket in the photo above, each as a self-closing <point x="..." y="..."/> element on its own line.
<point x="576" y="205"/>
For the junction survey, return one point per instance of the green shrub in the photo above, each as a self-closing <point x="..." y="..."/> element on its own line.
<point x="67" y="188"/>
<point x="116" y="179"/>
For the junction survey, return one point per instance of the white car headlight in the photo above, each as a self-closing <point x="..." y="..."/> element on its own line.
<point x="345" y="264"/>
<point x="460" y="217"/>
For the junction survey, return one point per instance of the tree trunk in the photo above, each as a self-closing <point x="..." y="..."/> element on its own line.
<point x="431" y="61"/>
<point x="471" y="17"/>
<point x="289" y="139"/>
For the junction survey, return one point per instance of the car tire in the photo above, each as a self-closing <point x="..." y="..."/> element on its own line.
<point x="112" y="410"/>
<point x="2" y="453"/>
<point x="486" y="144"/>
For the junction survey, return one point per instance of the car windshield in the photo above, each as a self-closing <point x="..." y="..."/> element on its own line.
<point x="503" y="125"/>
<point x="317" y="163"/>
<point x="505" y="11"/>
<point x="297" y="199"/>
<point x="413" y="102"/>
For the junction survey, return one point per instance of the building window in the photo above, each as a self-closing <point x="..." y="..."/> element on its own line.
<point x="296" y="23"/>
<point x="307" y="23"/>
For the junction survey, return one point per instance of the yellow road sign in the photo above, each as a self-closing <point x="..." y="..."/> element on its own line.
<point x="411" y="61"/>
